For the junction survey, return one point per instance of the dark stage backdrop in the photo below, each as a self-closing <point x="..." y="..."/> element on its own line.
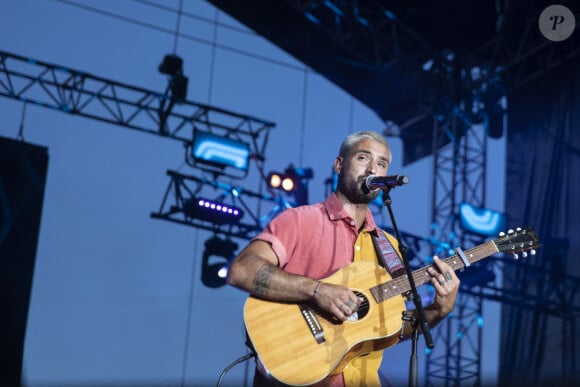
<point x="540" y="341"/>
<point x="22" y="180"/>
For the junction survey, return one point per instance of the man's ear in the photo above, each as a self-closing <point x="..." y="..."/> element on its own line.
<point x="338" y="164"/>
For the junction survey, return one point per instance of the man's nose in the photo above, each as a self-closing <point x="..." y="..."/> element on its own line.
<point x="372" y="167"/>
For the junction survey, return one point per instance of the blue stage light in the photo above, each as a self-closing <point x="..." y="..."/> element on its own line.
<point x="220" y="152"/>
<point x="481" y="221"/>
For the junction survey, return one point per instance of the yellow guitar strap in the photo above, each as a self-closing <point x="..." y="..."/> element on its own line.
<point x="364" y="370"/>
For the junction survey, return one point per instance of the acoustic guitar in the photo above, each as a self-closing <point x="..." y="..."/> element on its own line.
<point x="299" y="344"/>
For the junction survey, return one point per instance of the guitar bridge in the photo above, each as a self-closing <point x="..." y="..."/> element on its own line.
<point x="312" y="322"/>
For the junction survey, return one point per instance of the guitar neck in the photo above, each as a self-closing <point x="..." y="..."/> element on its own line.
<point x="400" y="285"/>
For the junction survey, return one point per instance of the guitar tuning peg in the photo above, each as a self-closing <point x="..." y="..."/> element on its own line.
<point x="516" y="256"/>
<point x="510" y="231"/>
<point x="524" y="254"/>
<point x="502" y="234"/>
<point x="532" y="252"/>
<point x="518" y="229"/>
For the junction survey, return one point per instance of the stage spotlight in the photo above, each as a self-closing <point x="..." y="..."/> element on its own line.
<point x="217" y="153"/>
<point x="212" y="210"/>
<point x="293" y="181"/>
<point x="281" y="181"/>
<point x="274" y="180"/>
<point x="481" y="221"/>
<point x="176" y="91"/>
<point x="216" y="259"/>
<point x="171" y="65"/>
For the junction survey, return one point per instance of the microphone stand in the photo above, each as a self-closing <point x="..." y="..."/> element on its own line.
<point x="419" y="319"/>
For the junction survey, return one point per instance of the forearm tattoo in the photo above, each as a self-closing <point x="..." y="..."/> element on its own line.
<point x="262" y="280"/>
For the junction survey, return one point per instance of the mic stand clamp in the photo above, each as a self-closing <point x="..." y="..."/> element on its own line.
<point x="419" y="319"/>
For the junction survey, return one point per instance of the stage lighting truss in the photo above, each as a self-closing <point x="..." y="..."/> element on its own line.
<point x="229" y="210"/>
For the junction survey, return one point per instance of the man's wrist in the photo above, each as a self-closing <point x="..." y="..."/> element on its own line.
<point x="315" y="291"/>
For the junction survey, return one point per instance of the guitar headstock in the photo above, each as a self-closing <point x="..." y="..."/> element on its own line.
<point x="520" y="240"/>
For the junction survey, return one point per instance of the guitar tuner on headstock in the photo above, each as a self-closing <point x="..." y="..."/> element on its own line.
<point x="518" y="241"/>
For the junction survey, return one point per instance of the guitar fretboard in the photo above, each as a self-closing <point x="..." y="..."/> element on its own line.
<point x="400" y="285"/>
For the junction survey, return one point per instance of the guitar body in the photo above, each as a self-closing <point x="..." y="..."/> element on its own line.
<point x="287" y="347"/>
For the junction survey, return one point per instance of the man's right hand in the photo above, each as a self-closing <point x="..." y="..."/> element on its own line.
<point x="337" y="300"/>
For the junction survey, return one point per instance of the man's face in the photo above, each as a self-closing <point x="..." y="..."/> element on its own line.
<point x="367" y="158"/>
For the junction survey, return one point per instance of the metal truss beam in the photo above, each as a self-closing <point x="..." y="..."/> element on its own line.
<point x="367" y="29"/>
<point x="458" y="176"/>
<point x="544" y="294"/>
<point x="519" y="54"/>
<point x="79" y="93"/>
<point x="455" y="359"/>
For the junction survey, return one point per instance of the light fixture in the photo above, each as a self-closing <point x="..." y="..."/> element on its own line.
<point x="282" y="181"/>
<point x="481" y="221"/>
<point x="219" y="154"/>
<point x="172" y="65"/>
<point x="176" y="90"/>
<point x="216" y="259"/>
<point x="293" y="180"/>
<point x="212" y="210"/>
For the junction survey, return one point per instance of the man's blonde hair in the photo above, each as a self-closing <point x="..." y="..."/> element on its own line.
<point x="352" y="139"/>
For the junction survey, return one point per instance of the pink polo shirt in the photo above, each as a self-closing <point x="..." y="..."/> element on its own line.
<point x="315" y="240"/>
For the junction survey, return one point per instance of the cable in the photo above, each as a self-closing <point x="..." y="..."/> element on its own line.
<point x="21" y="128"/>
<point x="193" y="16"/>
<point x="212" y="63"/>
<point x="177" y="27"/>
<point x="303" y="123"/>
<point x="188" y="37"/>
<point x="236" y="362"/>
<point x="189" y="309"/>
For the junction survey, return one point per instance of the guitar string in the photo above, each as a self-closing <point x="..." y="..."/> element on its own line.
<point x="419" y="274"/>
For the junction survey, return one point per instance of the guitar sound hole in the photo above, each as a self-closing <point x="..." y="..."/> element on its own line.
<point x="363" y="309"/>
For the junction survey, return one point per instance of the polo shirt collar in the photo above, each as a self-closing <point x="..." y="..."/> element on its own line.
<point x="335" y="211"/>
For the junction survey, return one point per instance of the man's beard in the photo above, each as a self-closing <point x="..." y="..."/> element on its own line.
<point x="356" y="191"/>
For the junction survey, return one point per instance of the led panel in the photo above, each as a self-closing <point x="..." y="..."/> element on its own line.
<point x="220" y="151"/>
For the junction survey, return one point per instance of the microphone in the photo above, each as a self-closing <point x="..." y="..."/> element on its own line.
<point x="375" y="182"/>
